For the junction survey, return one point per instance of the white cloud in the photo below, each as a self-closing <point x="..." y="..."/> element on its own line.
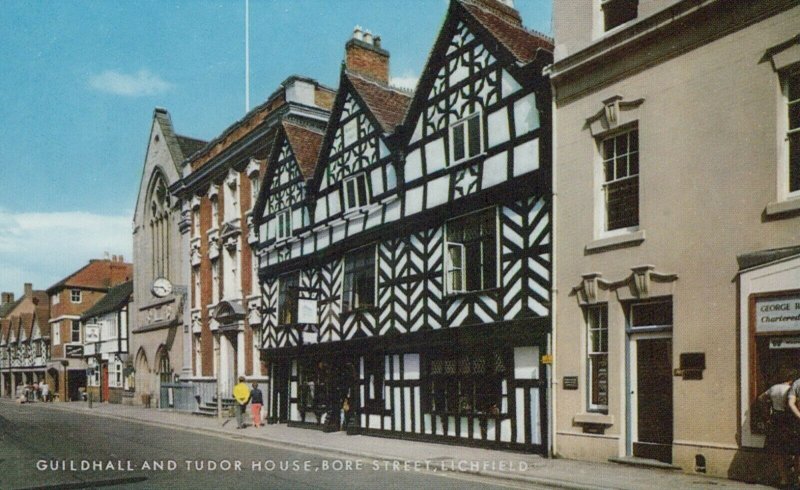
<point x="141" y="83"/>
<point x="408" y="81"/>
<point x="42" y="248"/>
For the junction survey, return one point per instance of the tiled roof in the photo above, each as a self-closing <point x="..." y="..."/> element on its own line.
<point x="113" y="300"/>
<point x="189" y="146"/>
<point x="763" y="257"/>
<point x="387" y="104"/>
<point x="305" y="145"/>
<point x="43" y="318"/>
<point x="26" y="322"/>
<point x="521" y="42"/>
<point x="6" y="308"/>
<point x="4" y="324"/>
<point x="97" y="274"/>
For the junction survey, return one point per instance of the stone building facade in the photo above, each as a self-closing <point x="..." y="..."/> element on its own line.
<point x="159" y="316"/>
<point x="676" y="176"/>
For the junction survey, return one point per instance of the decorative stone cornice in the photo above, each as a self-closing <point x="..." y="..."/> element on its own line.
<point x="616" y="112"/>
<point x="644" y="282"/>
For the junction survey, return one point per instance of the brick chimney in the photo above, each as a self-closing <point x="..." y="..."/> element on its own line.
<point x="364" y="56"/>
<point x="6" y="298"/>
<point x="28" y="289"/>
<point x="504" y="9"/>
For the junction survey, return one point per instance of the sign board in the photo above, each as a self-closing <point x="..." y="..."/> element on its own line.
<point x="570" y="383"/>
<point x="784" y="343"/>
<point x="74" y="350"/>
<point x="307" y="311"/>
<point x="92" y="334"/>
<point x="777" y="314"/>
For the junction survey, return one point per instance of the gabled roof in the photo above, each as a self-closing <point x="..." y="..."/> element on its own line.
<point x="42" y="318"/>
<point x="505" y="25"/>
<point x="115" y="299"/>
<point x="5" y="325"/>
<point x="305" y="142"/>
<point x="26" y="324"/>
<point x="97" y="274"/>
<point x="180" y="147"/>
<point x="14" y="328"/>
<point x="387" y="104"/>
<point x="8" y="307"/>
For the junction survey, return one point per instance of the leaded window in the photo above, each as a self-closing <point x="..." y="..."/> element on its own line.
<point x="287" y="299"/>
<point x="472" y="252"/>
<point x="359" y="280"/>
<point x="284" y="224"/>
<point x="466" y="138"/>
<point x="621" y="183"/>
<point x="356" y="193"/>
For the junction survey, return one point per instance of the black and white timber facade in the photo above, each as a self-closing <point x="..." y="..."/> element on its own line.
<point x="409" y="271"/>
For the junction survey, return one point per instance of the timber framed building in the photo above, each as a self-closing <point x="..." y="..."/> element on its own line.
<point x="409" y="274"/>
<point x="24" y="340"/>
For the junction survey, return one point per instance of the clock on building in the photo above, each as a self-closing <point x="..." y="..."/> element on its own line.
<point x="161" y="287"/>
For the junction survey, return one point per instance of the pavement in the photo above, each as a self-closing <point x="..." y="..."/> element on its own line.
<point x="402" y="455"/>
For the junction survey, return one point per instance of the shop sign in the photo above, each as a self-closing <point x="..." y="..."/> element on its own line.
<point x="778" y="314"/>
<point x="92" y="333"/>
<point x="784" y="343"/>
<point x="307" y="311"/>
<point x="74" y="351"/>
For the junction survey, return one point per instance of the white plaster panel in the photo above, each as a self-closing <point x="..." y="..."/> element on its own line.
<point x="334" y="204"/>
<point x="526" y="362"/>
<point x="411" y="366"/>
<point x="526" y="116"/>
<point x="498" y="127"/>
<point x="414" y="201"/>
<point x="321" y="211"/>
<point x="413" y="165"/>
<point x="437" y="191"/>
<point x="526" y="157"/>
<point x="376" y="176"/>
<point x="435" y="156"/>
<point x="391" y="177"/>
<point x="495" y="170"/>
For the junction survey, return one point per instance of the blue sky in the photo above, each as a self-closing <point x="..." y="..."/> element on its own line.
<point x="80" y="80"/>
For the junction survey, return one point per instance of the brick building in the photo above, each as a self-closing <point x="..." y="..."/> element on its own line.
<point x="69" y="299"/>
<point x="217" y="190"/>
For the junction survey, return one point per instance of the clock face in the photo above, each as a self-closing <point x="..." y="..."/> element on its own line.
<point x="161" y="287"/>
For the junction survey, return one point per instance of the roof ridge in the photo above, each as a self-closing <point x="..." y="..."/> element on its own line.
<point x="519" y="26"/>
<point x="377" y="83"/>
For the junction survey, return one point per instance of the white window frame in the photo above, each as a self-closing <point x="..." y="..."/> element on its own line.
<point x="601" y="199"/>
<point x="464" y="122"/>
<point x="591" y="355"/>
<point x="498" y="258"/>
<point x="55" y="299"/>
<point x="451" y="268"/>
<point x="255" y="187"/>
<point x="72" y="332"/>
<point x="348" y="206"/>
<point x="283" y="223"/>
<point x="72" y="295"/>
<point x="56" y="333"/>
<point x="785" y="182"/>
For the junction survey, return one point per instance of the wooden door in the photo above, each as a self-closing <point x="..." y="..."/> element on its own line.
<point x="104" y="383"/>
<point x="654" y="414"/>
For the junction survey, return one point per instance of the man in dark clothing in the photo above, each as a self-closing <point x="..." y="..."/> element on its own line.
<point x="256" y="402"/>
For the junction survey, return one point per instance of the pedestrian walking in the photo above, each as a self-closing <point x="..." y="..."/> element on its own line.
<point x="241" y="393"/>
<point x="779" y="430"/>
<point x="794" y="431"/>
<point x="256" y="402"/>
<point x="45" y="392"/>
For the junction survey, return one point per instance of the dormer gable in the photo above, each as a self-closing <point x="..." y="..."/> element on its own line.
<point x="474" y="122"/>
<point x="355" y="166"/>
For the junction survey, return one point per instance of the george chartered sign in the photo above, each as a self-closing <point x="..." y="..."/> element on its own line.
<point x="777" y="314"/>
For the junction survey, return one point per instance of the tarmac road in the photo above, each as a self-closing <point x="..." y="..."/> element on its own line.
<point x="42" y="448"/>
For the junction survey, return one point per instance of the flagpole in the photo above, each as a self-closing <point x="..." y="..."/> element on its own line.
<point x="246" y="56"/>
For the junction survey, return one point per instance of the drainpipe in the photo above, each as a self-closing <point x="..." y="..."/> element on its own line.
<point x="217" y="349"/>
<point x="553" y="381"/>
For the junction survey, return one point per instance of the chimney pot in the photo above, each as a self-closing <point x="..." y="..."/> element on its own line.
<point x="365" y="57"/>
<point x="7" y="298"/>
<point x="358" y="34"/>
<point x="377" y="41"/>
<point x="367" y="37"/>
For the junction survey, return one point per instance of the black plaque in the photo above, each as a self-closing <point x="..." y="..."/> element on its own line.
<point x="74" y="350"/>
<point x="570" y="383"/>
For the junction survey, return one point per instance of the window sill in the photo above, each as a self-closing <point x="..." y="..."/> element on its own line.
<point x="790" y="205"/>
<point x="593" y="418"/>
<point x="629" y="239"/>
<point x="472" y="294"/>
